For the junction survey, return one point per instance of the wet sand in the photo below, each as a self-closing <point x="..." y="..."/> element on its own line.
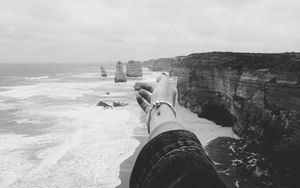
<point x="141" y="135"/>
<point x="127" y="165"/>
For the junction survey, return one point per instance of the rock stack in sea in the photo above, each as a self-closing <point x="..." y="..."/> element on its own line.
<point x="120" y="75"/>
<point x="257" y="94"/>
<point x="103" y="72"/>
<point x="134" y="69"/>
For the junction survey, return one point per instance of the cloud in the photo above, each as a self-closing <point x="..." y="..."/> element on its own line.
<point x="101" y="30"/>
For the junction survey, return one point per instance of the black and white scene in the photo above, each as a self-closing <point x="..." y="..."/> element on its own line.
<point x="149" y="94"/>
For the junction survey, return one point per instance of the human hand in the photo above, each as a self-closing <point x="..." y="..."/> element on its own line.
<point x="163" y="91"/>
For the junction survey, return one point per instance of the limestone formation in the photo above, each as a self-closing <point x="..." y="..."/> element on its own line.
<point x="161" y="64"/>
<point x="103" y="72"/>
<point x="119" y="104"/>
<point x="257" y="94"/>
<point x="120" y="75"/>
<point x="104" y="105"/>
<point x="134" y="69"/>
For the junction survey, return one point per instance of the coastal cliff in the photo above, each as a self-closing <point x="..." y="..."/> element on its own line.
<point x="257" y="94"/>
<point x="120" y="75"/>
<point x="134" y="69"/>
<point x="161" y="64"/>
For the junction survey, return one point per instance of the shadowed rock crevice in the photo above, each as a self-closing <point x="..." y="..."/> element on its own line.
<point x="218" y="113"/>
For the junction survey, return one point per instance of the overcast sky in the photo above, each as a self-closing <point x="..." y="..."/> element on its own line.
<point x="111" y="30"/>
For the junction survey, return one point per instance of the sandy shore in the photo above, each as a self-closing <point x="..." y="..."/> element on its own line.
<point x="204" y="129"/>
<point x="140" y="134"/>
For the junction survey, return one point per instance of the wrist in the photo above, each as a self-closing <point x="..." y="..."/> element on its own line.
<point x="160" y="115"/>
<point x="164" y="127"/>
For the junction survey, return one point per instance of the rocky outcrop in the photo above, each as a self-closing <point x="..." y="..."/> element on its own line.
<point x="161" y="64"/>
<point x="103" y="72"/>
<point x="134" y="69"/>
<point x="148" y="63"/>
<point x="119" y="104"/>
<point x="120" y="75"/>
<point x="257" y="94"/>
<point x="177" y="60"/>
<point x="104" y="105"/>
<point x="114" y="104"/>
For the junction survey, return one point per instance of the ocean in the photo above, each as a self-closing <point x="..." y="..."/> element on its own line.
<point x="52" y="134"/>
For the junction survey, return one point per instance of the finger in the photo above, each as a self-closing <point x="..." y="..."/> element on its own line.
<point x="143" y="103"/>
<point x="146" y="95"/>
<point x="147" y="87"/>
<point x="162" y="75"/>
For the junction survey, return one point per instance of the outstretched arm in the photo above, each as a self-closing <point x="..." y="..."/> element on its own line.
<point x="163" y="118"/>
<point x="173" y="157"/>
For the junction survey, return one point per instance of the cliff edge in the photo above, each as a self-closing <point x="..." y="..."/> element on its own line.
<point x="161" y="64"/>
<point x="257" y="94"/>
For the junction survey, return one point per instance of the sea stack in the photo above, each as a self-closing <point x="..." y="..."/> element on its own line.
<point x="134" y="69"/>
<point x="120" y="75"/>
<point x="103" y="72"/>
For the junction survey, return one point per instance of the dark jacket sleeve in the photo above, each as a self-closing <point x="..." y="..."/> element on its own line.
<point x="174" y="159"/>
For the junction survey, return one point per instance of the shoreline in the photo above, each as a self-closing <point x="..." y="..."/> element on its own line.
<point x="141" y="135"/>
<point x="127" y="165"/>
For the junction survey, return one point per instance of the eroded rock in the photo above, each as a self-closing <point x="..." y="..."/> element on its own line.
<point x="134" y="69"/>
<point x="119" y="104"/>
<point x="104" y="105"/>
<point x="103" y="72"/>
<point x="120" y="75"/>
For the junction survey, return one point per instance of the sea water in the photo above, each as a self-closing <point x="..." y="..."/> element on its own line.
<point x="52" y="134"/>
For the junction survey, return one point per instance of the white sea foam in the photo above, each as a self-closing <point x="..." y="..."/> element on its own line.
<point x="6" y="106"/>
<point x="86" y="75"/>
<point x="9" y="105"/>
<point x="14" y="156"/>
<point x="78" y="145"/>
<point x="84" y="149"/>
<point x="30" y="121"/>
<point x="33" y="78"/>
<point x="36" y="78"/>
<point x="51" y="90"/>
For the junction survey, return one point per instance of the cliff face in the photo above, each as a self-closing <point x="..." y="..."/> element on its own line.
<point x="134" y="69"/>
<point x="257" y="94"/>
<point x="161" y="64"/>
<point x="103" y="72"/>
<point x="148" y="63"/>
<point x="120" y="75"/>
